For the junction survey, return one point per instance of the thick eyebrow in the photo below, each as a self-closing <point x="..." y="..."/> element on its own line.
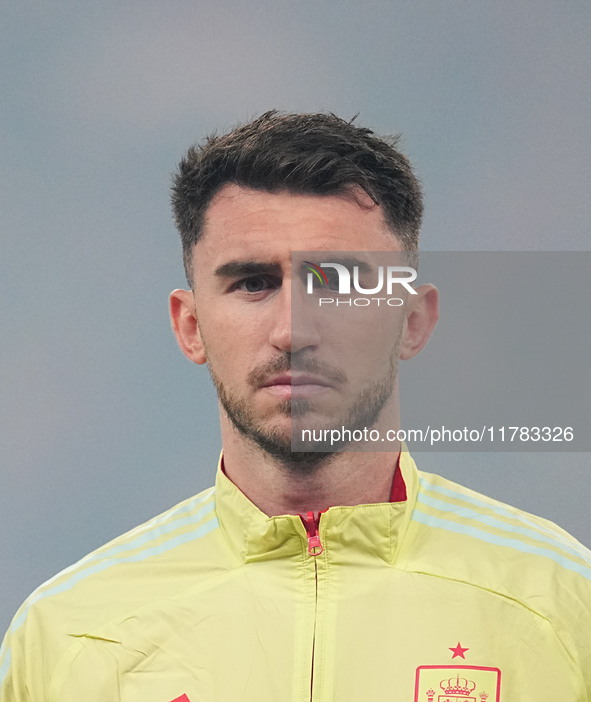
<point x="239" y="269"/>
<point x="348" y="262"/>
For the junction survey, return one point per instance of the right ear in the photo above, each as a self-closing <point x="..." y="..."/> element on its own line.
<point x="185" y="326"/>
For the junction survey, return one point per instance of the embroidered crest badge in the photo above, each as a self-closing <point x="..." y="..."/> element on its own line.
<point x="457" y="683"/>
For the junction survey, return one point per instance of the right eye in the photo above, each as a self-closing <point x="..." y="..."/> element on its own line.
<point x="255" y="284"/>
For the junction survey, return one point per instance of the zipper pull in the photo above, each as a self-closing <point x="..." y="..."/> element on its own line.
<point x="311" y="523"/>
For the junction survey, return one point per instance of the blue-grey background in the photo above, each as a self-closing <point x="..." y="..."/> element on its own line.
<point x="103" y="423"/>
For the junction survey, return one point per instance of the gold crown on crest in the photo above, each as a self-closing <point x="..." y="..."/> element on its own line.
<point x="459" y="687"/>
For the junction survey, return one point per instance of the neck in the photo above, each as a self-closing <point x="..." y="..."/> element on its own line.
<point x="277" y="487"/>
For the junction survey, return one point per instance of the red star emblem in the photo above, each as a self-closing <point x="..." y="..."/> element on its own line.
<point x="458" y="651"/>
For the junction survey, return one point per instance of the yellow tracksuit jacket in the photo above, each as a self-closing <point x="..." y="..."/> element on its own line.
<point x="446" y="597"/>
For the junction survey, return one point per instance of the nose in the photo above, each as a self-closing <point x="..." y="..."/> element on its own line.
<point x="293" y="327"/>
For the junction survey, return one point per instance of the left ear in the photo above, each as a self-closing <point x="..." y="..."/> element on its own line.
<point x="186" y="326"/>
<point x="421" y="318"/>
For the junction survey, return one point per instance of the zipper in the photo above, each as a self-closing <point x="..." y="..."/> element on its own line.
<point x="315" y="619"/>
<point x="312" y="523"/>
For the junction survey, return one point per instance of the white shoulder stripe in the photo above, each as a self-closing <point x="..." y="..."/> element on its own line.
<point x="471" y="514"/>
<point x="448" y="525"/>
<point x="160" y="525"/>
<point x="515" y="515"/>
<point x="95" y="563"/>
<point x="184" y="508"/>
<point x="4" y="667"/>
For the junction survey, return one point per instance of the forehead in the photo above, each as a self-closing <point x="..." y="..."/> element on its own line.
<point x="245" y="224"/>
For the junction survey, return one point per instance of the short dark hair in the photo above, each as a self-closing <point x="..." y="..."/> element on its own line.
<point x="318" y="153"/>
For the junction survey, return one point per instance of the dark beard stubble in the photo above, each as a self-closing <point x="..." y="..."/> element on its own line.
<point x="364" y="413"/>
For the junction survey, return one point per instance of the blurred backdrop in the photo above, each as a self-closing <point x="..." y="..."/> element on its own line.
<point x="103" y="422"/>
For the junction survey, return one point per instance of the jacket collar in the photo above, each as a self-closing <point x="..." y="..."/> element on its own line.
<point x="347" y="533"/>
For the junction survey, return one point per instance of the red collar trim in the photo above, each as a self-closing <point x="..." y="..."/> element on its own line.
<point x="398" y="493"/>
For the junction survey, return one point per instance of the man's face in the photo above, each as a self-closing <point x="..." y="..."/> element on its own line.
<point x="269" y="374"/>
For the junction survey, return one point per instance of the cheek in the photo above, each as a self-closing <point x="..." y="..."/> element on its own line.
<point x="229" y="347"/>
<point x="218" y="328"/>
<point x="363" y="333"/>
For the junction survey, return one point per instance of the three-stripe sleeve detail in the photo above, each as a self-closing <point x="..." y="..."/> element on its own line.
<point x="187" y="522"/>
<point x="441" y="507"/>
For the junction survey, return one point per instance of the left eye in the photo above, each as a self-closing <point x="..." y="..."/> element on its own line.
<point x="333" y="279"/>
<point x="254" y="284"/>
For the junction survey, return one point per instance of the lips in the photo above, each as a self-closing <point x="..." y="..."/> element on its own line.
<point x="296" y="380"/>
<point x="297" y="384"/>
